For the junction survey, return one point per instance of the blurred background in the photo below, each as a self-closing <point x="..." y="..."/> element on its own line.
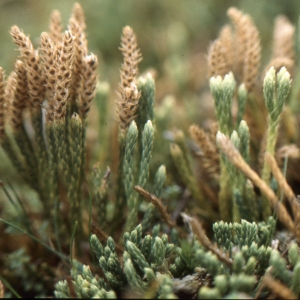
<point x="160" y="25"/>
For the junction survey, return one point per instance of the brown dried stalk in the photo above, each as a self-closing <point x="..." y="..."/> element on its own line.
<point x="203" y="239"/>
<point x="236" y="159"/>
<point x="277" y="287"/>
<point x="157" y="203"/>
<point x="55" y="28"/>
<point x="88" y="87"/>
<point x="210" y="156"/>
<point x="20" y="97"/>
<point x="286" y="189"/>
<point x="2" y="102"/>
<point x="129" y="96"/>
<point x="33" y="69"/>
<point x="269" y="158"/>
<point x="2" y="290"/>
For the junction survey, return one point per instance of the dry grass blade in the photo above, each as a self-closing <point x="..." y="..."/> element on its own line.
<point x="203" y="239"/>
<point x="157" y="203"/>
<point x="282" y="181"/>
<point x="236" y="159"/>
<point x="2" y="290"/>
<point x="281" y="290"/>
<point x="286" y="189"/>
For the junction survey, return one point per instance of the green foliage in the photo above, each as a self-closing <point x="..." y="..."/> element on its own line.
<point x="135" y="250"/>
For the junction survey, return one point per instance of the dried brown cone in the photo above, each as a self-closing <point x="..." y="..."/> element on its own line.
<point x="247" y="45"/>
<point x="63" y="75"/>
<point x="240" y="37"/>
<point x="20" y="97"/>
<point x="217" y="63"/>
<point x="55" y="28"/>
<point x="210" y="157"/>
<point x="129" y="96"/>
<point x="2" y="103"/>
<point x="220" y="54"/>
<point x="88" y="84"/>
<point x="33" y="68"/>
<point x="80" y="51"/>
<point x="78" y="14"/>
<point x="252" y="57"/>
<point x="283" y="39"/>
<point x="49" y="56"/>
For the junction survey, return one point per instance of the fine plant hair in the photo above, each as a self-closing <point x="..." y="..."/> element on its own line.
<point x="142" y="206"/>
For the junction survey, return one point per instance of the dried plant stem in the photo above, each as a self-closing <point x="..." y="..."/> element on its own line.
<point x="157" y="202"/>
<point x="203" y="239"/>
<point x="2" y="290"/>
<point x="286" y="189"/>
<point x="278" y="288"/>
<point x="236" y="159"/>
<point x="282" y="182"/>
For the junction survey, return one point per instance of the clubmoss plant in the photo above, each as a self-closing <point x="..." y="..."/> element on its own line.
<point x="158" y="215"/>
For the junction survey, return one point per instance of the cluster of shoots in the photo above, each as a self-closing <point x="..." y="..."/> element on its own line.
<point x="143" y="248"/>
